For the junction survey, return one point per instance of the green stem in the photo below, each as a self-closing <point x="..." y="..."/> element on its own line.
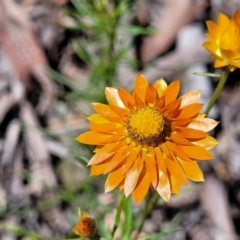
<point x="117" y="217"/>
<point x="127" y="224"/>
<point x="150" y="204"/>
<point x="218" y="90"/>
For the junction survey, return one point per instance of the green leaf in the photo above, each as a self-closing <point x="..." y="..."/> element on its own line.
<point x="203" y="74"/>
<point x="83" y="50"/>
<point x="137" y="30"/>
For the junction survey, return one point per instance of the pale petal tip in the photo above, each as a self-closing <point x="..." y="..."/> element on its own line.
<point x="126" y="192"/>
<point x="107" y="189"/>
<point x="201" y="179"/>
<point x="94" y="103"/>
<point x="78" y="138"/>
<point x="141" y="75"/>
<point x="166" y="198"/>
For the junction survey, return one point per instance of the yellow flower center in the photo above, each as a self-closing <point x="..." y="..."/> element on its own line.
<point x="146" y="126"/>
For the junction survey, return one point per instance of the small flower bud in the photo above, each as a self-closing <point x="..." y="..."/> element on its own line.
<point x="86" y="226"/>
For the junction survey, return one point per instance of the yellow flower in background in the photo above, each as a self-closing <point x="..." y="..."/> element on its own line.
<point x="224" y="41"/>
<point x="86" y="226"/>
<point x="149" y="138"/>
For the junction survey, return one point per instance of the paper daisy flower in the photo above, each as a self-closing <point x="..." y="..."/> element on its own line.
<point x="223" y="41"/>
<point x="149" y="138"/>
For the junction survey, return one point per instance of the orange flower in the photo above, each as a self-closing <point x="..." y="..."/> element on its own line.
<point x="86" y="226"/>
<point x="223" y="41"/>
<point x="149" y="138"/>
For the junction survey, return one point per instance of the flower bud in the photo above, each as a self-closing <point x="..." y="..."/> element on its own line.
<point x="86" y="226"/>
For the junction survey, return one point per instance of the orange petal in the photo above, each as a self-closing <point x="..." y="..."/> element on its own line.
<point x="190" y="98"/>
<point x="172" y="114"/>
<point x="177" y="151"/>
<point x="163" y="187"/>
<point x="75" y="230"/>
<point x="160" y="103"/>
<point x="98" y="169"/>
<point x="190" y="111"/>
<point x="121" y="185"/>
<point x="151" y="151"/>
<point x="113" y="138"/>
<point x="137" y="100"/>
<point x="151" y="95"/>
<point x="130" y="146"/>
<point x="111" y="147"/>
<point x="172" y="91"/>
<point x="114" y="179"/>
<point x="222" y="21"/>
<point x="126" y="97"/>
<point x="211" y="47"/>
<point x="96" y="118"/>
<point x="118" y="159"/>
<point x="113" y="97"/>
<point x="172" y="106"/>
<point x="191" y="133"/>
<point x="120" y="120"/>
<point x="131" y="158"/>
<point x="160" y="160"/>
<point x="220" y="63"/>
<point x="176" y="170"/>
<point x="180" y="123"/>
<point x="141" y="157"/>
<point x="131" y="178"/>
<point x="230" y="39"/>
<point x="236" y="64"/>
<point x="104" y="127"/>
<point x="177" y="138"/>
<point x="214" y="30"/>
<point x="160" y="86"/>
<point x="197" y="152"/>
<point x="84" y="214"/>
<point x="203" y="124"/>
<point x="92" y="138"/>
<point x="201" y="115"/>
<point x="175" y="185"/>
<point x="207" y="143"/>
<point x="140" y="87"/>
<point x="192" y="170"/>
<point x="121" y="131"/>
<point x="120" y="144"/>
<point x="122" y="112"/>
<point x="104" y="110"/>
<point x="100" y="157"/>
<point x="142" y="187"/>
<point x="165" y="150"/>
<point x="236" y="16"/>
<point x="152" y="170"/>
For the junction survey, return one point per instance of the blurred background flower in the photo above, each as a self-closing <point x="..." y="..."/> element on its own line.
<point x="223" y="41"/>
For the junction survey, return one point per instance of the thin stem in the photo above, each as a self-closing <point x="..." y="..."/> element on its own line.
<point x="150" y="204"/>
<point x="127" y="225"/>
<point x="218" y="90"/>
<point x="118" y="214"/>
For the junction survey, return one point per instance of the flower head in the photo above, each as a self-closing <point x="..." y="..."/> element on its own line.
<point x="149" y="138"/>
<point x="223" y="41"/>
<point x="86" y="226"/>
